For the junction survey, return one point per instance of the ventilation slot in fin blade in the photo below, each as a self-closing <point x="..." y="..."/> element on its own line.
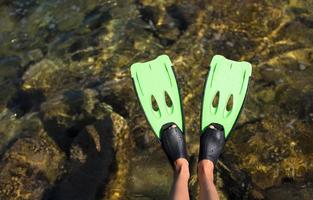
<point x="168" y="100"/>
<point x="154" y="104"/>
<point x="216" y="100"/>
<point x="230" y="103"/>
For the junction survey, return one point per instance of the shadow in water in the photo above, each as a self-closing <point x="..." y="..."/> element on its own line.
<point x="238" y="183"/>
<point x="26" y="101"/>
<point x="87" y="179"/>
<point x="64" y="130"/>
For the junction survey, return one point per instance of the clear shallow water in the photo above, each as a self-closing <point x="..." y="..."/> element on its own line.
<point x="70" y="124"/>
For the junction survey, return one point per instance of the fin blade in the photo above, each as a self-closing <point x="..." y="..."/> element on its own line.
<point x="230" y="78"/>
<point x="158" y="81"/>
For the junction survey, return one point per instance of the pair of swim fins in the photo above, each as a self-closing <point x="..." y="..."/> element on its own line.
<point x="224" y="94"/>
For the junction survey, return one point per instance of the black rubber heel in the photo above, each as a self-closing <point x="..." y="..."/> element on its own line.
<point x="212" y="142"/>
<point x="173" y="143"/>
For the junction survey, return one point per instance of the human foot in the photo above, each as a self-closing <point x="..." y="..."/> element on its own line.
<point x="173" y="143"/>
<point x="212" y="141"/>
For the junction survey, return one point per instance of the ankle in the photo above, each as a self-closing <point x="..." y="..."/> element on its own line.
<point x="182" y="167"/>
<point x="206" y="169"/>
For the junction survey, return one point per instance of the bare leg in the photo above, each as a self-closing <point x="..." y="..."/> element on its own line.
<point x="179" y="189"/>
<point x="205" y="175"/>
<point x="212" y="141"/>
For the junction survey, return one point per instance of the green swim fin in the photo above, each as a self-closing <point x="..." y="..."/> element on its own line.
<point x="158" y="93"/>
<point x="225" y="92"/>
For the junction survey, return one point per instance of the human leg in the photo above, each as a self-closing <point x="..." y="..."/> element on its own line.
<point x="179" y="189"/>
<point x="174" y="145"/>
<point x="212" y="142"/>
<point x="205" y="174"/>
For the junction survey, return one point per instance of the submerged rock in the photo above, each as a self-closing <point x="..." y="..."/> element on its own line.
<point x="35" y="167"/>
<point x="8" y="79"/>
<point x="290" y="191"/>
<point x="40" y="75"/>
<point x="29" y="167"/>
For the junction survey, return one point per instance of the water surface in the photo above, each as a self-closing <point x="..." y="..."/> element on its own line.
<point x="70" y="123"/>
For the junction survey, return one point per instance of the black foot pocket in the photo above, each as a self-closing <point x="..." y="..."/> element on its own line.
<point x="212" y="142"/>
<point x="173" y="143"/>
